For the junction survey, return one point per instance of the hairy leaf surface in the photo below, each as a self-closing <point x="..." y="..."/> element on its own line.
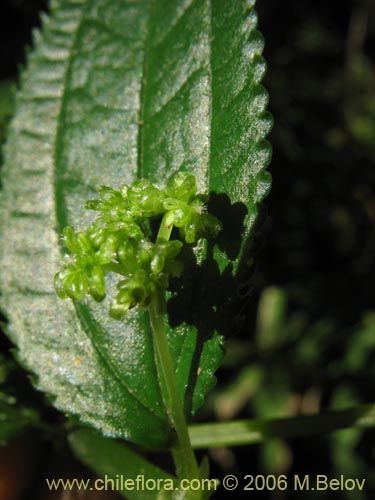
<point x="114" y="91"/>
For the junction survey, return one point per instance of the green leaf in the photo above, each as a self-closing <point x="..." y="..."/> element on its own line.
<point x="250" y="431"/>
<point x="115" y="461"/>
<point x="115" y="91"/>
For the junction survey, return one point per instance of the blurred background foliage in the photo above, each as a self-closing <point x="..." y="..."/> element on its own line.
<point x="308" y="340"/>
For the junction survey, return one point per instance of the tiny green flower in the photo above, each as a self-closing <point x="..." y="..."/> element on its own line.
<point x="186" y="210"/>
<point x="82" y="271"/>
<point x="113" y="204"/>
<point x="145" y="199"/>
<point x="182" y="186"/>
<point x="119" y="241"/>
<point x="134" y="290"/>
<point x="147" y="268"/>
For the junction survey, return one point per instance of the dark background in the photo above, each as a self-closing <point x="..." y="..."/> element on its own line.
<point x="308" y="340"/>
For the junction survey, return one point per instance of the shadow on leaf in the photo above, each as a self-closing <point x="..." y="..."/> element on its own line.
<point x="212" y="294"/>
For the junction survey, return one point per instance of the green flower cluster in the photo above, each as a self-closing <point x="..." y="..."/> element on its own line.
<point x="119" y="241"/>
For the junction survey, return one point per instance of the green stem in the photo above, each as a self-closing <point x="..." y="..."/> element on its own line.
<point x="242" y="432"/>
<point x="182" y="450"/>
<point x="165" y="230"/>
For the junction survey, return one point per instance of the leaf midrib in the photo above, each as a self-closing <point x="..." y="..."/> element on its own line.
<point x="61" y="214"/>
<point x="142" y="96"/>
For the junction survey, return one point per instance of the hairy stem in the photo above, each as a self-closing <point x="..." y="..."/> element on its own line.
<point x="182" y="450"/>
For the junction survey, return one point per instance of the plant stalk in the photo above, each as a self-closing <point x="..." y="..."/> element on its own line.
<point x="245" y="432"/>
<point x="165" y="230"/>
<point x="182" y="450"/>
